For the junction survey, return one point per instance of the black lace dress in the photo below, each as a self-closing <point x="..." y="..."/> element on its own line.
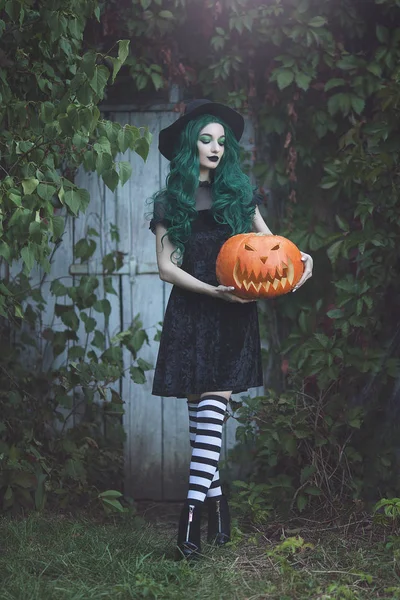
<point x="207" y="344"/>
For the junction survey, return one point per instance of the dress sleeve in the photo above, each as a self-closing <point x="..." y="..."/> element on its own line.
<point x="257" y="199"/>
<point x="158" y="216"/>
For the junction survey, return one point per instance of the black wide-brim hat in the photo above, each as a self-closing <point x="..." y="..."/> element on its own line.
<point x="168" y="137"/>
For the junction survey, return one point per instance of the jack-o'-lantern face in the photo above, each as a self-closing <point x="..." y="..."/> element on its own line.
<point x="259" y="265"/>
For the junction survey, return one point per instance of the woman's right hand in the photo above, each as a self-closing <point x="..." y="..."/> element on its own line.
<point x="225" y="293"/>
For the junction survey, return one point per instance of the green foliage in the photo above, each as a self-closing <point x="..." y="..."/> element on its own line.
<point x="51" y="125"/>
<point x="111" y="502"/>
<point x="60" y="434"/>
<point x="321" y="81"/>
<point x="300" y="451"/>
<point x="387" y="512"/>
<point x="252" y="500"/>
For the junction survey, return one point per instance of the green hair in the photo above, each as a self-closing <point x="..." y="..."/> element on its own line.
<point x="232" y="191"/>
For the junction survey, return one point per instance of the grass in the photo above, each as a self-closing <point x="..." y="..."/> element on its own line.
<point x="70" y="558"/>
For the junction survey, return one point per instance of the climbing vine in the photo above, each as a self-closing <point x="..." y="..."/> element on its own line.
<point x="51" y="84"/>
<point x="320" y="80"/>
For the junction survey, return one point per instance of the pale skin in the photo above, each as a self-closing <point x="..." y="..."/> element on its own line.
<point x="210" y="144"/>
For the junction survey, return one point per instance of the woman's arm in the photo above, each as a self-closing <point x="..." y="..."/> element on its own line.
<point x="260" y="226"/>
<point x="171" y="273"/>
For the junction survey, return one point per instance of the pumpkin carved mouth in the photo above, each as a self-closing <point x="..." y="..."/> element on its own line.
<point x="251" y="281"/>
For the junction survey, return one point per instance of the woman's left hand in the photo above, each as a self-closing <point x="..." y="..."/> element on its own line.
<point x="308" y="267"/>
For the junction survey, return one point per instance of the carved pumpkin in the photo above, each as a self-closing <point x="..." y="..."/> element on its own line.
<point x="258" y="265"/>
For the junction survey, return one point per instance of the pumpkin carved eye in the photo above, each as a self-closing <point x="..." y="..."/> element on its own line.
<point x="247" y="247"/>
<point x="275" y="247"/>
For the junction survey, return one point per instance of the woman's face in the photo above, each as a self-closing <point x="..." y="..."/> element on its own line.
<point x="211" y="146"/>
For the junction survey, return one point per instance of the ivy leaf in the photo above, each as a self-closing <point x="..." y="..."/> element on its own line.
<point x="339" y="102"/>
<point x="358" y="104"/>
<point x="117" y="64"/>
<point x="115" y="504"/>
<point x="77" y="199"/>
<point x="143" y="364"/>
<point x="89" y="322"/>
<point x="138" y="339"/>
<point x="344" y="226"/>
<point x="57" y="225"/>
<point x="125" y="171"/>
<point x="103" y="306"/>
<point x="29" y="185"/>
<point x="67" y="315"/>
<point x="127" y="137"/>
<point x="110" y="493"/>
<point x="123" y="50"/>
<point x="76" y="352"/>
<point x="102" y="145"/>
<point x="13" y="10"/>
<point x="166" y="14"/>
<point x="99" y="340"/>
<point x="157" y="80"/>
<point x="28" y="257"/>
<point x="47" y="112"/>
<point x="137" y="375"/>
<point x="15" y="197"/>
<point x="84" y="249"/>
<point x="104" y="162"/>
<point x="57" y="288"/>
<point x="108" y="287"/>
<point x="84" y="94"/>
<point x="301" y="502"/>
<point x="284" y="78"/>
<point x="334" y="82"/>
<point x="382" y="33"/>
<point x="335" y="313"/>
<point x="111" y="179"/>
<point x="142" y="148"/>
<point x="35" y="232"/>
<point x="75" y="469"/>
<point x="317" y="22"/>
<point x="303" y="80"/>
<point x="88" y="63"/>
<point x="46" y="191"/>
<point x="306" y="473"/>
<point x="99" y="80"/>
<point x="323" y="339"/>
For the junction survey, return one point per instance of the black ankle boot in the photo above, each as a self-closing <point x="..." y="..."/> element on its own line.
<point x="219" y="521"/>
<point x="189" y="532"/>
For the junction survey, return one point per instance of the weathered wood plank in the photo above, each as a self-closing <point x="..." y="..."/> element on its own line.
<point x="143" y="412"/>
<point x="143" y="294"/>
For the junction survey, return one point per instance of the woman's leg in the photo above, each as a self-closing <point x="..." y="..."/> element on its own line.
<point x="215" y="490"/>
<point x="206" y="446"/>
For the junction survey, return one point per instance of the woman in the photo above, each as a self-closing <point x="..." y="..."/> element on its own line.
<point x="210" y="345"/>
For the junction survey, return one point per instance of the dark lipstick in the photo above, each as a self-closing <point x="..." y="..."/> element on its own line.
<point x="213" y="158"/>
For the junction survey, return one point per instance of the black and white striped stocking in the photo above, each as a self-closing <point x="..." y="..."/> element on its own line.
<point x="215" y="488"/>
<point x="205" y="425"/>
